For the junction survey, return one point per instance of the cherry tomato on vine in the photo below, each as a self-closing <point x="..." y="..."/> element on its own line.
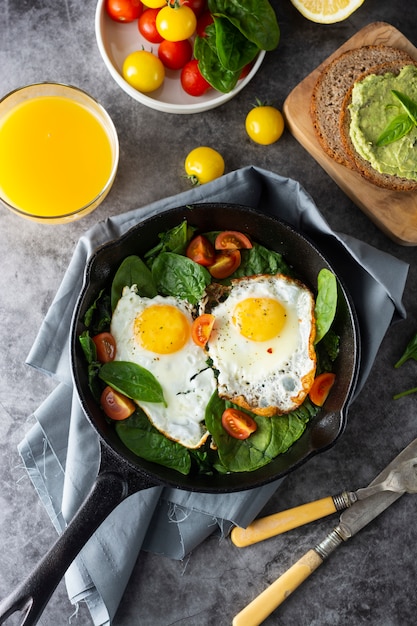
<point x="264" y="124"/>
<point x="321" y="387"/>
<point x="198" y="6"/>
<point x="143" y="70"/>
<point x="147" y="26"/>
<point x="238" y="424"/>
<point x="204" y="164"/>
<point x="204" y="20"/>
<point x="192" y="80"/>
<point x="225" y="263"/>
<point x="201" y="329"/>
<point x="176" y="23"/>
<point x="154" y="4"/>
<point x="175" y="54"/>
<point x="124" y="10"/>
<point x="105" y="347"/>
<point x="201" y="251"/>
<point x="116" y="405"/>
<point x="232" y="240"/>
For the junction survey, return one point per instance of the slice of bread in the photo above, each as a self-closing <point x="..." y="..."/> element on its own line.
<point x="334" y="82"/>
<point x="387" y="181"/>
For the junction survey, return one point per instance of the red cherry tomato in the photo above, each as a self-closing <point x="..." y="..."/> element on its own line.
<point x="232" y="240"/>
<point x="201" y="329"/>
<point x="192" y="81"/>
<point x="201" y="251"/>
<point x="321" y="388"/>
<point x="225" y="263"/>
<point x="198" y="6"/>
<point x="204" y="20"/>
<point x="124" y="10"/>
<point x="105" y="346"/>
<point x="238" y="424"/>
<point x="116" y="405"/>
<point x="175" y="54"/>
<point x="147" y="26"/>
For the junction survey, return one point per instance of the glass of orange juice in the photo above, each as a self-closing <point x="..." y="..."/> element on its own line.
<point x="59" y="152"/>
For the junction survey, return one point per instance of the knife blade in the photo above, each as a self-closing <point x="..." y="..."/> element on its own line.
<point x="351" y="521"/>
<point x="277" y="523"/>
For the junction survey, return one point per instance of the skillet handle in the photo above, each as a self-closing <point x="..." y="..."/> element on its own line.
<point x="110" y="489"/>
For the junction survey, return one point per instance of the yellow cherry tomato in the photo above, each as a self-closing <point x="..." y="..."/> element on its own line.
<point x="154" y="4"/>
<point x="176" y="23"/>
<point x="264" y="124"/>
<point x="204" y="164"/>
<point x="143" y="70"/>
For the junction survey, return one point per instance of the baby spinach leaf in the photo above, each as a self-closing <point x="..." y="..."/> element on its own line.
<point x="134" y="381"/>
<point x="144" y="440"/>
<point x="233" y="48"/>
<point x="256" y="19"/>
<point x="326" y="302"/>
<point x="210" y="66"/>
<point x="397" y="128"/>
<point x="260" y="260"/>
<point x="179" y="276"/>
<point x="173" y="240"/>
<point x="90" y="353"/>
<point x="98" y="316"/>
<point x="273" y="436"/>
<point x="132" y="271"/>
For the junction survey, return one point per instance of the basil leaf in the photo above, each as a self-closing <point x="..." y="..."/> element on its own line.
<point x="234" y="50"/>
<point x="397" y="128"/>
<point x="256" y="19"/>
<point x="132" y="380"/>
<point x="132" y="271"/>
<point x="326" y="302"/>
<point x="179" y="276"/>
<point x="409" y="105"/>
<point x="144" y="440"/>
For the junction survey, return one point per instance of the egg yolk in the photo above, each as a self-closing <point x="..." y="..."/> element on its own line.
<point x="259" y="319"/>
<point x="162" y="328"/>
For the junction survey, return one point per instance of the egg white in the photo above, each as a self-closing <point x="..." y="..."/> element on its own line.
<point x="273" y="376"/>
<point x="186" y="380"/>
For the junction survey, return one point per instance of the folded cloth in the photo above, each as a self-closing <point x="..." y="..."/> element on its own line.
<point x="62" y="455"/>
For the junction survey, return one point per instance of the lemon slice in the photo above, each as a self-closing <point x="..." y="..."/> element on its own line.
<point x="326" y="11"/>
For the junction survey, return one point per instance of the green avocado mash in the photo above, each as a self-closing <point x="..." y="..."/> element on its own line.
<point x="373" y="107"/>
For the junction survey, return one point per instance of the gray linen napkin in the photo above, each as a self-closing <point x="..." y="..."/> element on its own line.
<point x="62" y="455"/>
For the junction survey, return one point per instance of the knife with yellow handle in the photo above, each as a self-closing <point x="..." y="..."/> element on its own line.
<point x="351" y="521"/>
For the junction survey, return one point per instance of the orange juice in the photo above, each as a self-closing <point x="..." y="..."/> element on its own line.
<point x="55" y="156"/>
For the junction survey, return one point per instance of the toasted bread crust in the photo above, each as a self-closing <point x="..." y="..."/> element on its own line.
<point x="387" y="181"/>
<point x="329" y="98"/>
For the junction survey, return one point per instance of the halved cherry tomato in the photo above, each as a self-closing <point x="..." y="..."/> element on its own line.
<point x="175" y="54"/>
<point x="192" y="80"/>
<point x="116" y="405"/>
<point x="204" y="20"/>
<point x="124" y="10"/>
<point x="147" y="26"/>
<point x="201" y="329"/>
<point x="105" y="346"/>
<point x="232" y="240"/>
<point x="321" y="388"/>
<point x="238" y="424"/>
<point x="225" y="263"/>
<point x="201" y="251"/>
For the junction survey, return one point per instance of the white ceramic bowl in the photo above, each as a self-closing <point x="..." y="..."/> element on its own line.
<point x="116" y="40"/>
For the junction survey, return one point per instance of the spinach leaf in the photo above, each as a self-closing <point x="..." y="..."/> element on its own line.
<point x="397" y="128"/>
<point x="210" y="66"/>
<point x="132" y="271"/>
<point x="273" y="436"/>
<point x="408" y="104"/>
<point x="97" y="318"/>
<point x="233" y="48"/>
<point x="134" y="381"/>
<point x="173" y="240"/>
<point x="327" y="351"/>
<point x="256" y="19"/>
<point x="260" y="260"/>
<point x="144" y="440"/>
<point x="410" y="352"/>
<point x="179" y="276"/>
<point x="326" y="302"/>
<point x="90" y="353"/>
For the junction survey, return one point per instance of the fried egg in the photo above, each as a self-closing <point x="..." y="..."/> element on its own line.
<point x="156" y="334"/>
<point x="262" y="343"/>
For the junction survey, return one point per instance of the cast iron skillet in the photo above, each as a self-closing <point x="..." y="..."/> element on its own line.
<point x="122" y="473"/>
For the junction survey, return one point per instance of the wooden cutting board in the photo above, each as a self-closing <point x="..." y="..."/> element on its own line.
<point x="395" y="213"/>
